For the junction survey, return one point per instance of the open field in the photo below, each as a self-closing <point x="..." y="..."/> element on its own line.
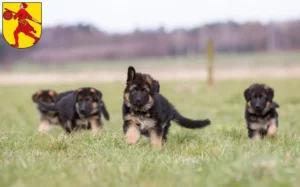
<point x="222" y="60"/>
<point x="227" y="66"/>
<point x="219" y="155"/>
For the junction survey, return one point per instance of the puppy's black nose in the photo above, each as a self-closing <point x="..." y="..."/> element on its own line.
<point x="138" y="102"/>
<point x="257" y="107"/>
<point x="81" y="110"/>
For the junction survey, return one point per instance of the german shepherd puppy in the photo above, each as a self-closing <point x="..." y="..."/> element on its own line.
<point x="47" y="117"/>
<point x="81" y="108"/>
<point x="261" y="115"/>
<point x="146" y="112"/>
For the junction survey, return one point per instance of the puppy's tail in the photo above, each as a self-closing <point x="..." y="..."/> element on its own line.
<point x="189" y="123"/>
<point x="47" y="106"/>
<point x="104" y="110"/>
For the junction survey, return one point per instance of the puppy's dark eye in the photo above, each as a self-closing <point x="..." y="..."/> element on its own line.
<point x="88" y="99"/>
<point x="258" y="96"/>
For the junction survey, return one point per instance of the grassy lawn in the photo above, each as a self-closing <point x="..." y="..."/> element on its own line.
<point x="219" y="155"/>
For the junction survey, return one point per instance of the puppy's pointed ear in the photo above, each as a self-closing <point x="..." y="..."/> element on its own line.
<point x="36" y="95"/>
<point x="155" y="86"/>
<point x="130" y="74"/>
<point x="53" y="94"/>
<point x="98" y="94"/>
<point x="247" y="94"/>
<point x="269" y="92"/>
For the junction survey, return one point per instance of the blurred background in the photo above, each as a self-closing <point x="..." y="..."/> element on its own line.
<point x="99" y="39"/>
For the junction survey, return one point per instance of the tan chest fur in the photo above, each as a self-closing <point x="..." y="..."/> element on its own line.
<point x="142" y="122"/>
<point x="146" y="123"/>
<point x="54" y="120"/>
<point x="262" y="124"/>
<point x="82" y="122"/>
<point x="85" y="121"/>
<point x="51" y="119"/>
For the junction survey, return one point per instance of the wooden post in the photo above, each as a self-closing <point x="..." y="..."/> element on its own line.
<point x="210" y="55"/>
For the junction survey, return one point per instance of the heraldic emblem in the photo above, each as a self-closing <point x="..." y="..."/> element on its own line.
<point x="21" y="23"/>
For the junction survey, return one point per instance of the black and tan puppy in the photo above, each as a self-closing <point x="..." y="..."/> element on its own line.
<point x="146" y="112"/>
<point x="81" y="108"/>
<point x="47" y="117"/>
<point x="261" y="115"/>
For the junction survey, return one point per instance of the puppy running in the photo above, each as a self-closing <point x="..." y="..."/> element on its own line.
<point x="146" y="112"/>
<point x="261" y="115"/>
<point x="47" y="117"/>
<point x="81" y="108"/>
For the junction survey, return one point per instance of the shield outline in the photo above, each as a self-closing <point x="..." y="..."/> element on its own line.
<point x="41" y="21"/>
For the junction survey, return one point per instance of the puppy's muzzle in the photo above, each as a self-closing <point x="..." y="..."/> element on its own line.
<point x="42" y="109"/>
<point x="83" y="111"/>
<point x="138" y="99"/>
<point x="257" y="106"/>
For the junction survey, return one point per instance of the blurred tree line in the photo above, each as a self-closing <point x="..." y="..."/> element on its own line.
<point x="2" y="52"/>
<point x="86" y="42"/>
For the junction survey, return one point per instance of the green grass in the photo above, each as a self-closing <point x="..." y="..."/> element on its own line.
<point x="279" y="59"/>
<point x="219" y="155"/>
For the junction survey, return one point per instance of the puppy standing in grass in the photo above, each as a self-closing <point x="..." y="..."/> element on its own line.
<point x="146" y="112"/>
<point x="47" y="117"/>
<point x="261" y="115"/>
<point x="80" y="108"/>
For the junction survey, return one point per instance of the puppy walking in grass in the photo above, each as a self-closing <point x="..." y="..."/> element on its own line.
<point x="261" y="115"/>
<point x="146" y="112"/>
<point x="47" y="117"/>
<point x="81" y="108"/>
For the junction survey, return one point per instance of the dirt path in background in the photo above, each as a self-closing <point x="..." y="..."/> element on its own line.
<point x="161" y="74"/>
